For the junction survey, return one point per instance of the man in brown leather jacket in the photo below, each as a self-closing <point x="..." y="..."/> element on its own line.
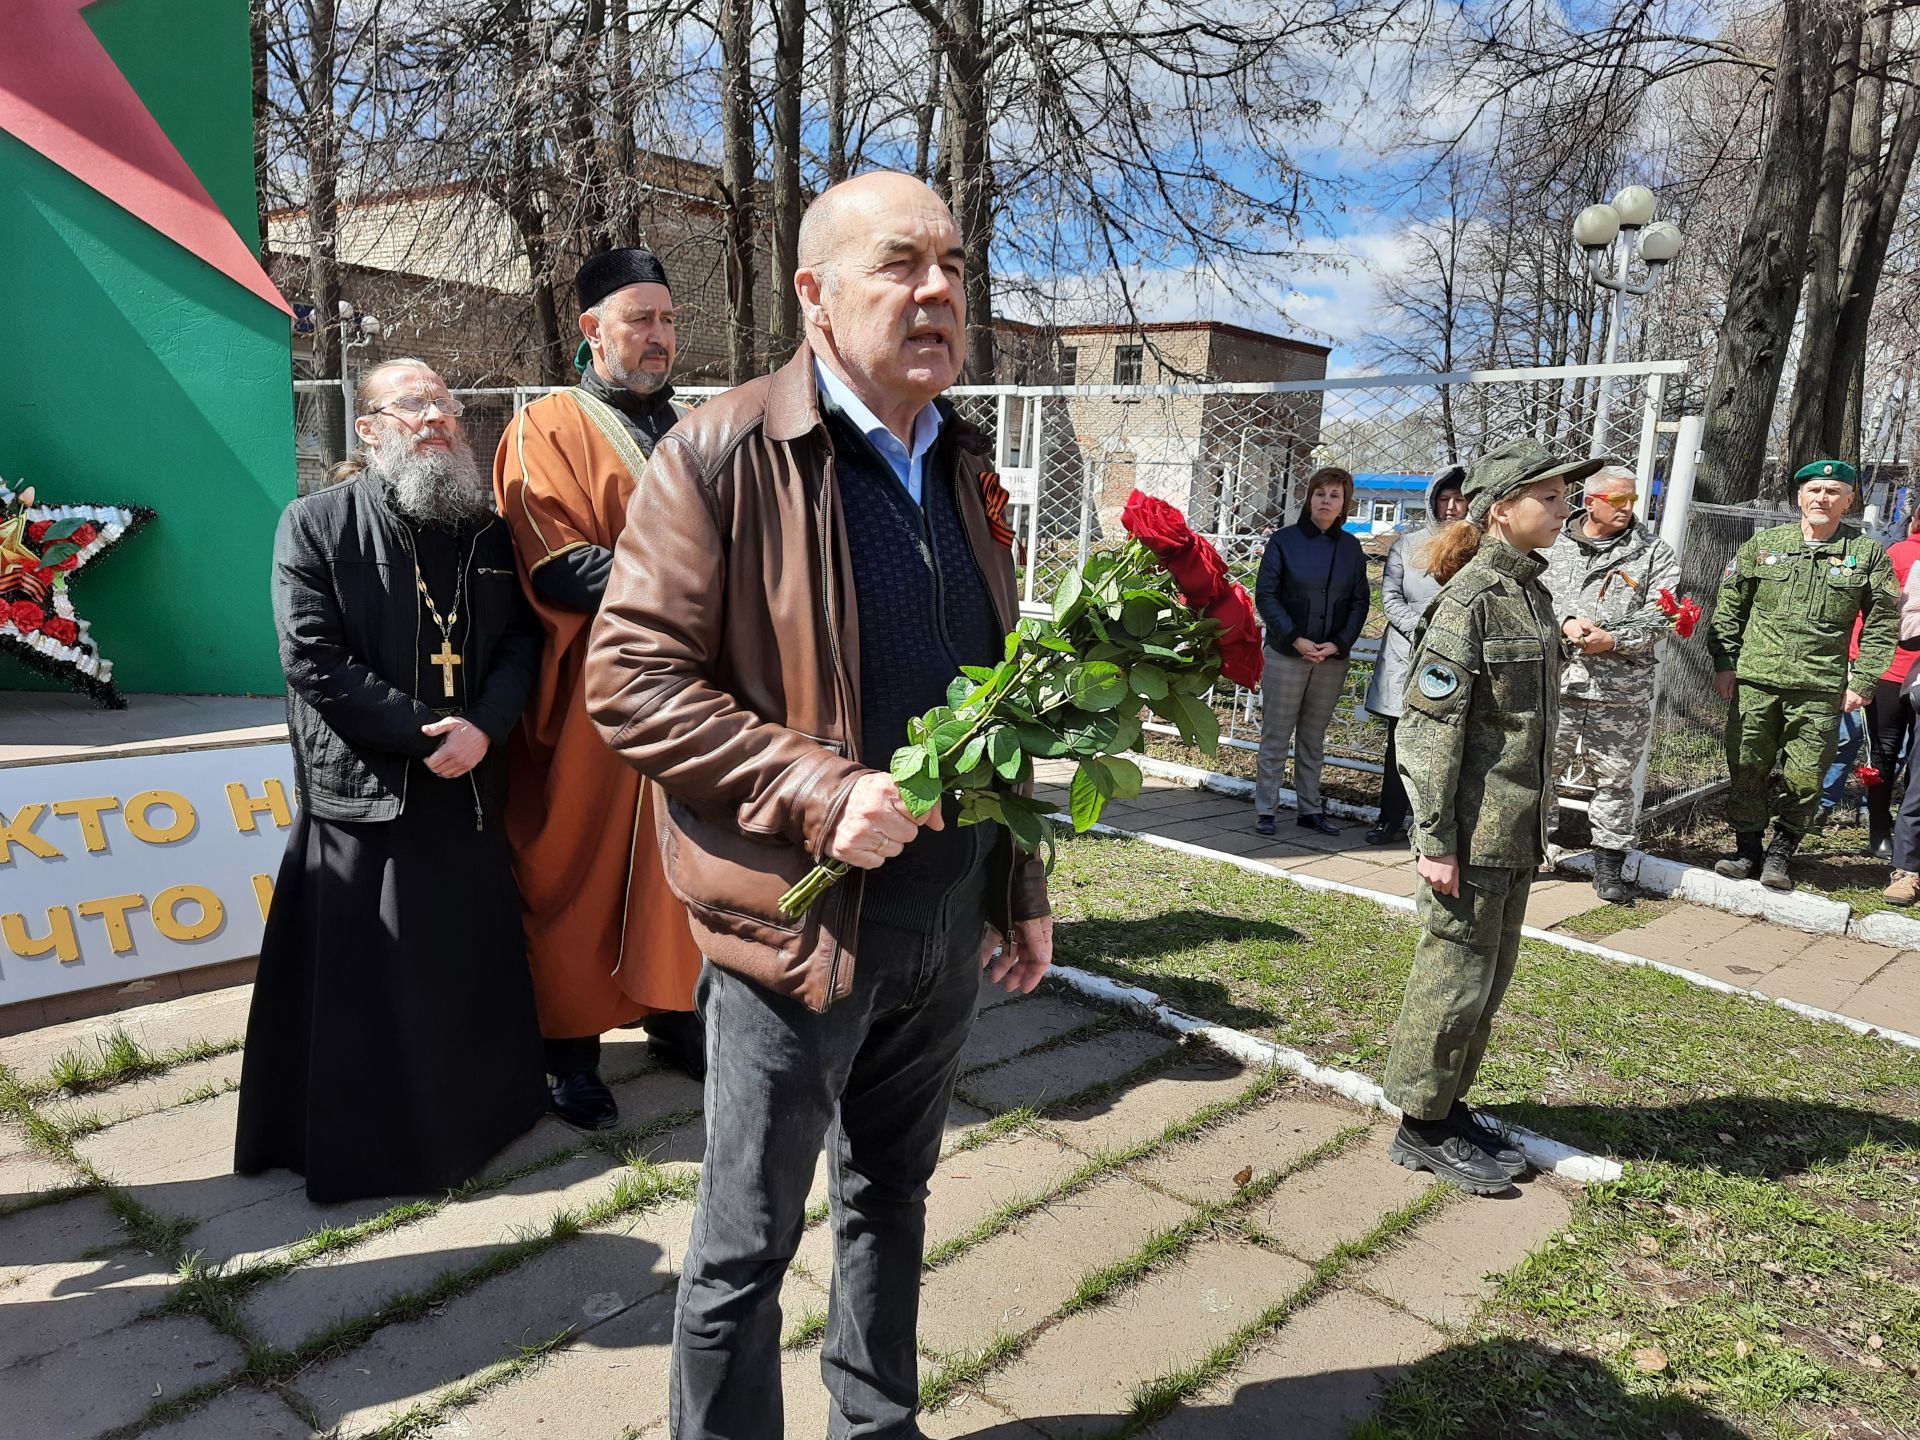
<point x="807" y="562"/>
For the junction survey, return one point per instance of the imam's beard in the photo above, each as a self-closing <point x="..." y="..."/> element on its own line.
<point x="434" y="486"/>
<point x="639" y="380"/>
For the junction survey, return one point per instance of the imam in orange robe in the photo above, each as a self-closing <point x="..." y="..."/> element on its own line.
<point x="607" y="940"/>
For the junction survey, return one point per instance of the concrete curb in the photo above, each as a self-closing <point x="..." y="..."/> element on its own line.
<point x="1404" y="904"/>
<point x="1548" y="1155"/>
<point x="1653" y="873"/>
<point x="1796" y="909"/>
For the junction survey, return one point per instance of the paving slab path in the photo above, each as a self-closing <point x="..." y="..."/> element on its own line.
<point x="1113" y="1209"/>
<point x="1875" y="984"/>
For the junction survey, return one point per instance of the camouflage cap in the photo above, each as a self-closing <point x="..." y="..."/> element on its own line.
<point x="1513" y="466"/>
<point x="1827" y="470"/>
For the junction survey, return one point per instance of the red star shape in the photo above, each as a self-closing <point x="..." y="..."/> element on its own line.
<point x="62" y="95"/>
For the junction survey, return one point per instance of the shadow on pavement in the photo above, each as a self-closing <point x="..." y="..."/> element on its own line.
<point x="1739" y="1134"/>
<point x="1488" y="1390"/>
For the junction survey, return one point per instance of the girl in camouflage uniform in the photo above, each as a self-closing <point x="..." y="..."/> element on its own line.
<point x="1474" y="748"/>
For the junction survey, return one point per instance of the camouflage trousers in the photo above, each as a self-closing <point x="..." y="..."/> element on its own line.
<point x="1602" y="745"/>
<point x="1796" y="729"/>
<point x="1462" y="964"/>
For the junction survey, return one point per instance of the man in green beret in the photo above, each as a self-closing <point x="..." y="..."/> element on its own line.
<point x="1779" y="642"/>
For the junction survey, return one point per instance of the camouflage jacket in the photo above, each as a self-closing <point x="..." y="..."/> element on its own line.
<point x="1786" y="611"/>
<point x="1482" y="698"/>
<point x="1615" y="583"/>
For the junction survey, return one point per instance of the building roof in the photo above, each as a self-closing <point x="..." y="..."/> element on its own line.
<point x="1163" y="327"/>
<point x="1392" y="480"/>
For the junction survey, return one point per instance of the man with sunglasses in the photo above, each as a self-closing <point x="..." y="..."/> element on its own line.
<point x="1605" y="573"/>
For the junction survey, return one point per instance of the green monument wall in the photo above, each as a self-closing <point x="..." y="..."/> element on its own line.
<point x="133" y="371"/>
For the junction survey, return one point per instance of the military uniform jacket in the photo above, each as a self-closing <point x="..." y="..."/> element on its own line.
<point x="1786" y="610"/>
<point x="1482" y="699"/>
<point x="1616" y="583"/>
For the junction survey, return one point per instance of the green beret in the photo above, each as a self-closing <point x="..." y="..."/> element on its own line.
<point x="1827" y="470"/>
<point x="1513" y="466"/>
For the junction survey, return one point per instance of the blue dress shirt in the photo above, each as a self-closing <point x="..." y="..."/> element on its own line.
<point x="908" y="466"/>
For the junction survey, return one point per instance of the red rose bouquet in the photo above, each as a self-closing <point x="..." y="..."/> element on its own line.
<point x="1148" y="628"/>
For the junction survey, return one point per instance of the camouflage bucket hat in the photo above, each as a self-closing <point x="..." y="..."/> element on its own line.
<point x="1514" y="466"/>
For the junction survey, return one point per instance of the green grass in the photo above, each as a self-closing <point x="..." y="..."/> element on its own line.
<point x="1604" y="920"/>
<point x="1766" y="1151"/>
<point x="116" y="1058"/>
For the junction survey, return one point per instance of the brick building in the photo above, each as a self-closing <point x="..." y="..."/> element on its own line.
<point x="1233" y="463"/>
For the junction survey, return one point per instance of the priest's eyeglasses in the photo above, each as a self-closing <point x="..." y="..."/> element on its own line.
<point x="415" y="407"/>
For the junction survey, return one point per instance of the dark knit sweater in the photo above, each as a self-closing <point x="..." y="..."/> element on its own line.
<point x="924" y="611"/>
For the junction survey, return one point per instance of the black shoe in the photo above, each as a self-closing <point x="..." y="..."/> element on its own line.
<point x="1747" y="858"/>
<point x="1879" y="826"/>
<point x="1386" y="834"/>
<point x="677" y="1038"/>
<point x="1607" y="883"/>
<point x="1263" y="824"/>
<point x="1318" y="823"/>
<point x="584" y="1102"/>
<point x="1436" y="1146"/>
<point x="1776" y="872"/>
<point x="1490" y="1135"/>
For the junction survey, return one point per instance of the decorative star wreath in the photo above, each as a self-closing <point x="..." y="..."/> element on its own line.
<point x="42" y="547"/>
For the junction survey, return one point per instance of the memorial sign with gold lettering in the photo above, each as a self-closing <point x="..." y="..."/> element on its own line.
<point x="123" y="869"/>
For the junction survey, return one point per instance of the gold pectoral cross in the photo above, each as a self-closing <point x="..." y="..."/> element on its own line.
<point x="446" y="660"/>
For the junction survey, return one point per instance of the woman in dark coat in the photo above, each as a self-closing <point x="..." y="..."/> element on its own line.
<point x="1312" y="595"/>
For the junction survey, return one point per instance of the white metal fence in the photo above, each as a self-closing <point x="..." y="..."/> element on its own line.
<point x="1235" y="458"/>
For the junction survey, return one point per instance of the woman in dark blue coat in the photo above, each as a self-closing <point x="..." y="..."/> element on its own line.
<point x="1313" y="598"/>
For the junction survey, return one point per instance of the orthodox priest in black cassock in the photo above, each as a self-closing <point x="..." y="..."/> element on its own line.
<point x="393" y="1046"/>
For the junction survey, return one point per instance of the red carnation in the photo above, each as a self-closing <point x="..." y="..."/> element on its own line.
<point x="58" y="627"/>
<point x="37" y="531"/>
<point x="1685" y="613"/>
<point x="86" y="534"/>
<point x="1869" y="774"/>
<point x="26" y="616"/>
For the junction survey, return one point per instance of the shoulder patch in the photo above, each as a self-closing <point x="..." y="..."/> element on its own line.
<point x="1733" y="569"/>
<point x="1438" y="680"/>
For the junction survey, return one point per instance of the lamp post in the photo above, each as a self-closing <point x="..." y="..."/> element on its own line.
<point x="1626" y="227"/>
<point x="356" y="330"/>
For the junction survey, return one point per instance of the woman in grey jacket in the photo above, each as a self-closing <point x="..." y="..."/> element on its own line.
<point x="1405" y="594"/>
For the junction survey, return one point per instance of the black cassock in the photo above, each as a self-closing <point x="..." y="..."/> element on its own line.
<point x="393" y="1046"/>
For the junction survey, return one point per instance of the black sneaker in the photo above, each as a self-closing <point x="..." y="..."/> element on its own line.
<point x="1386" y="834"/>
<point x="1436" y="1146"/>
<point x="1490" y="1135"/>
<point x="1318" y="824"/>
<point x="1263" y="825"/>
<point x="584" y="1102"/>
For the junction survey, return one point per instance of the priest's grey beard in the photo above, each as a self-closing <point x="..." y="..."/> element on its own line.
<point x="434" y="487"/>
<point x="639" y="381"/>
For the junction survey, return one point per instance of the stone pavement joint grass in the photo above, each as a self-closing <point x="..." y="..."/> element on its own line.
<point x="1101" y="1283"/>
<point x="1157" y="1397"/>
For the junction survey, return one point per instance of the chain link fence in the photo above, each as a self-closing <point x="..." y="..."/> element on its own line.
<point x="1235" y="458"/>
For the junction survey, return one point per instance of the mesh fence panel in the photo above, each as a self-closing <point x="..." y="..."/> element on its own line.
<point x="1236" y="458"/>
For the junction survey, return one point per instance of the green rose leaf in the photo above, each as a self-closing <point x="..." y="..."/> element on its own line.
<point x="54" y="554"/>
<point x="1037" y="739"/>
<point x="908" y="761"/>
<point x="1124" y="777"/>
<point x="958" y="691"/>
<point x="921" y="793"/>
<point x="1149" y="682"/>
<point x="1003" y="750"/>
<point x="1067" y="596"/>
<point x="970" y="756"/>
<point x="1099" y="685"/>
<point x="980" y="674"/>
<point x="1028" y="830"/>
<point x="1084" y="798"/>
<point x="1141" y="617"/>
<point x="1197" y="722"/>
<point x="61" y="530"/>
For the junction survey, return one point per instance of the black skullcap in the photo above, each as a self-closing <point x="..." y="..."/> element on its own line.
<point x="613" y="270"/>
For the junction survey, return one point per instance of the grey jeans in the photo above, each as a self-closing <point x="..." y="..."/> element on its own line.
<point x="873" y="1077"/>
